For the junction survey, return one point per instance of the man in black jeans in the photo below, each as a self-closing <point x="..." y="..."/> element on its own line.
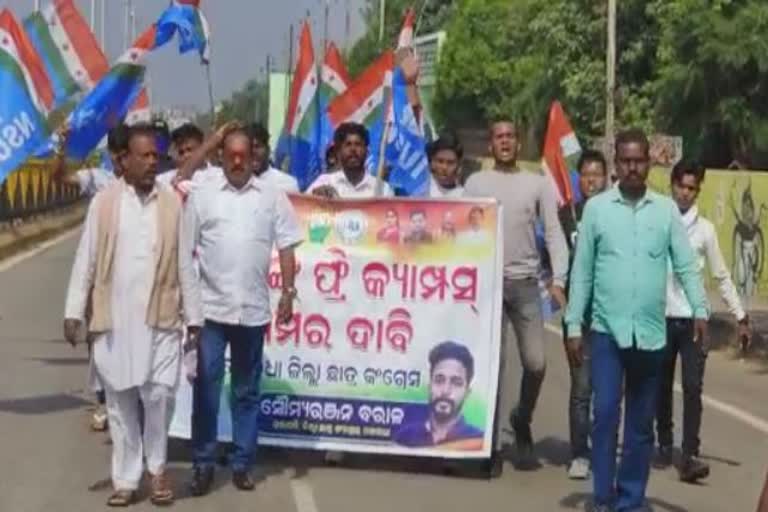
<point x="686" y="181"/>
<point x="593" y="179"/>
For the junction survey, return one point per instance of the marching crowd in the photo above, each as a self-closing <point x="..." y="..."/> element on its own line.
<point x="177" y="261"/>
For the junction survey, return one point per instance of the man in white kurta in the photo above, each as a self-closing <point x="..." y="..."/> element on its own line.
<point x="137" y="347"/>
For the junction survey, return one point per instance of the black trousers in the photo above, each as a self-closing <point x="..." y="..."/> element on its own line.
<point x="693" y="357"/>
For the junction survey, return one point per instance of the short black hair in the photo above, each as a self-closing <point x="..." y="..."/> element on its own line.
<point x="504" y="119"/>
<point x="633" y="135"/>
<point x="139" y="130"/>
<point x="592" y="155"/>
<point x="346" y="129"/>
<point x="445" y="142"/>
<point x="691" y="167"/>
<point x="452" y="350"/>
<point x="259" y="133"/>
<point x="160" y="127"/>
<point x="185" y="132"/>
<point x="117" y="139"/>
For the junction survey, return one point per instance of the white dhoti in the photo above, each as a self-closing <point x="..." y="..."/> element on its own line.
<point x="129" y="446"/>
<point x="134" y="362"/>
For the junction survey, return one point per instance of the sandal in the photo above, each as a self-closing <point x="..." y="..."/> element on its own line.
<point x="99" y="420"/>
<point x="162" y="493"/>
<point x="121" y="499"/>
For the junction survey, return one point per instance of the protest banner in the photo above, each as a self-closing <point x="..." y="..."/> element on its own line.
<point x="396" y="329"/>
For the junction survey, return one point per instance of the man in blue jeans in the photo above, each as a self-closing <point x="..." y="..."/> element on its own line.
<point x="626" y="238"/>
<point x="231" y="222"/>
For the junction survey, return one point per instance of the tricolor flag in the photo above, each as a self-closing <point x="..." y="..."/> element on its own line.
<point x="139" y="111"/>
<point x="406" y="33"/>
<point x="69" y="50"/>
<point x="300" y="139"/>
<point x="112" y="98"/>
<point x="26" y="97"/>
<point x="561" y="153"/>
<point x="334" y="80"/>
<point x="35" y="75"/>
<point x="367" y="102"/>
<point x="363" y="101"/>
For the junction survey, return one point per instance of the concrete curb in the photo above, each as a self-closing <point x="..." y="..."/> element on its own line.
<point x="18" y="238"/>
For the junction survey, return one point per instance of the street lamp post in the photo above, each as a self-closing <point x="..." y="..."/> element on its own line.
<point x="610" y="84"/>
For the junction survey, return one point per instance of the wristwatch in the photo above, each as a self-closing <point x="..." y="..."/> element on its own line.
<point x="290" y="292"/>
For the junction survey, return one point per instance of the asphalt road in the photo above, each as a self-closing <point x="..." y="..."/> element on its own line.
<point x="50" y="460"/>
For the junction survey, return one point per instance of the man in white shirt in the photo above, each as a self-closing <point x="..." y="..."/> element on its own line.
<point x="93" y="179"/>
<point x="127" y="268"/>
<point x="686" y="180"/>
<point x="445" y="156"/>
<point x="261" y="167"/>
<point x="232" y="221"/>
<point x="351" y="141"/>
<point x="186" y="140"/>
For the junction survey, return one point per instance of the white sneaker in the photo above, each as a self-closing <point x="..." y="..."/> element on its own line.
<point x="579" y="469"/>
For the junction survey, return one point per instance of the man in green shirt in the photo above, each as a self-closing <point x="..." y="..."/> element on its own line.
<point x="626" y="237"/>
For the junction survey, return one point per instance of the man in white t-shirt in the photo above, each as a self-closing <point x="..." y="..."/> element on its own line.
<point x="445" y="156"/>
<point x="261" y="168"/>
<point x="186" y="140"/>
<point x="90" y="180"/>
<point x="351" y="141"/>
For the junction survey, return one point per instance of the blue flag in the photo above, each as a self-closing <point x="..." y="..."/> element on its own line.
<point x="103" y="108"/>
<point x="22" y="127"/>
<point x="405" y="151"/>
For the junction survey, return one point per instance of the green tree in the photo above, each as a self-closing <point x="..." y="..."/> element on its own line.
<point x="432" y="16"/>
<point x="514" y="57"/>
<point x="712" y="80"/>
<point x="249" y="104"/>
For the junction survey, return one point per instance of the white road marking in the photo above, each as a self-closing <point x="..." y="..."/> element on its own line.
<point x="11" y="262"/>
<point x="734" y="412"/>
<point x="303" y="496"/>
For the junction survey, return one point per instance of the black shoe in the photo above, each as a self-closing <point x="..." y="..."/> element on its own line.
<point x="243" y="481"/>
<point x="663" y="457"/>
<point x="202" y="479"/>
<point x="693" y="469"/>
<point x="495" y="465"/>
<point x="523" y="439"/>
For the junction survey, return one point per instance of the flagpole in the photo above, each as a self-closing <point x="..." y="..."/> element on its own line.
<point x="103" y="23"/>
<point x="347" y="28"/>
<point x="93" y="16"/>
<point x="325" y="25"/>
<point x="382" y="16"/>
<point x="127" y="25"/>
<point x="382" y="163"/>
<point x="210" y="94"/>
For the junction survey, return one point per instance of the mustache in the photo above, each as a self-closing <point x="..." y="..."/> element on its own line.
<point x="444" y="401"/>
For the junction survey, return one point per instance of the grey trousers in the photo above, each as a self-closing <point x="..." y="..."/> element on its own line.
<point x="522" y="323"/>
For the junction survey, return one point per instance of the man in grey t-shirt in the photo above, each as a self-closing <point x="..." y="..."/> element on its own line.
<point x="525" y="197"/>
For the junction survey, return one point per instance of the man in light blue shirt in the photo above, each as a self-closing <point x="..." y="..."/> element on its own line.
<point x="626" y="238"/>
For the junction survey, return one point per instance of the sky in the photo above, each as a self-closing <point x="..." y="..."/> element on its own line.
<point x="243" y="33"/>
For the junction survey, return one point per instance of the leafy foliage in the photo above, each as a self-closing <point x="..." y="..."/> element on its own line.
<point x="696" y="68"/>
